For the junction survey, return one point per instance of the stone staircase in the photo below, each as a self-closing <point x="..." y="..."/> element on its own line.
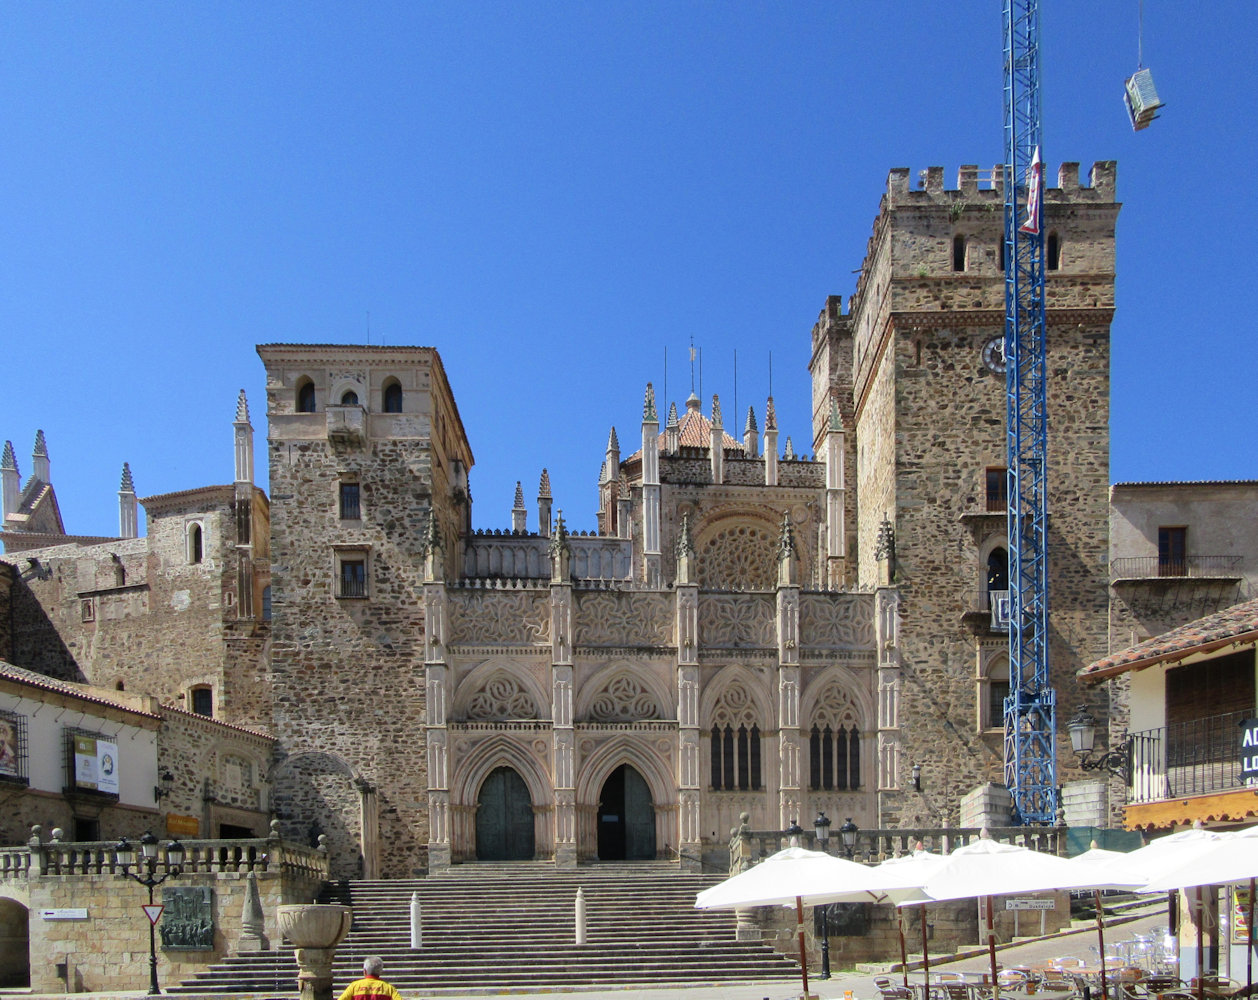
<point x="511" y="926"/>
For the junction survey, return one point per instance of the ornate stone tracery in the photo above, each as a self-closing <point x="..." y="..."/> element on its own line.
<point x="737" y="622"/>
<point x="623" y="699"/>
<point x="500" y="699"/>
<point x="739" y="557"/>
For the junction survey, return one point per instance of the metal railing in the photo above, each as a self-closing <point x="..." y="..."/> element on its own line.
<point x="1186" y="758"/>
<point x="1155" y="567"/>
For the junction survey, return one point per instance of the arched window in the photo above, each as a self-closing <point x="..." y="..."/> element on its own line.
<point x="392" y="397"/>
<point x="305" y="396"/>
<point x="997" y="571"/>
<point x="735" y="742"/>
<point x="993" y="691"/>
<point x="958" y="253"/>
<point x="1052" y="252"/>
<point x="834" y="745"/>
<point x="349" y="398"/>
<point x="202" y="700"/>
<point x="196" y="544"/>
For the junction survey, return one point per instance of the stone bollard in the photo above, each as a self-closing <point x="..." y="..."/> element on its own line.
<point x="314" y="930"/>
<point x="417" y="934"/>
<point x="580" y="917"/>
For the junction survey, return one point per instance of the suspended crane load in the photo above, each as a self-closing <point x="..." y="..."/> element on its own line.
<point x="1142" y="99"/>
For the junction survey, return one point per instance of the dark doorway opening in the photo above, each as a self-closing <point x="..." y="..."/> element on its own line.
<point x="504" y="818"/>
<point x="626" y="818"/>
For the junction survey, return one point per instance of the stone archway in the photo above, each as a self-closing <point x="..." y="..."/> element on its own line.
<point x="324" y="794"/>
<point x="504" y="818"/>
<point x="626" y="817"/>
<point x="15" y="949"/>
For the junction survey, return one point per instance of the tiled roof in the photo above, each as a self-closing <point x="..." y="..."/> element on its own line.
<point x="1191" y="482"/>
<point x="1239" y="623"/>
<point x="694" y="430"/>
<point x="83" y="692"/>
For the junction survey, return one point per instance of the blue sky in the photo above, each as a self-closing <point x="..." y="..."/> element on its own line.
<point x="554" y="195"/>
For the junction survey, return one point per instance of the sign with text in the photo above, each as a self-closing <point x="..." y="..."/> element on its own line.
<point x="1249" y="751"/>
<point x="182" y="826"/>
<point x="65" y="913"/>
<point x="1030" y="904"/>
<point x="96" y="764"/>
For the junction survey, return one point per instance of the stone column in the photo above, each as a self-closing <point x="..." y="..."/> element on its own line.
<point x="887" y="637"/>
<point x="690" y="837"/>
<point x="790" y="794"/>
<point x="651" y="552"/>
<point x="563" y="735"/>
<point x="436" y="711"/>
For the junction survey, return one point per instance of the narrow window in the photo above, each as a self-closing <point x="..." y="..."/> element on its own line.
<point x="727" y="758"/>
<point x="266" y="602"/>
<point x="997" y="692"/>
<point x="827" y="758"/>
<point x="854" y="758"/>
<point x="1172" y="551"/>
<point x="814" y="758"/>
<point x="755" y="758"/>
<point x="349" y="398"/>
<point x="393" y="398"/>
<point x="195" y="549"/>
<point x="958" y="253"/>
<point x="350" y="510"/>
<point x="306" y="397"/>
<point x="997" y="489"/>
<point x="353" y="578"/>
<point x="744" y="760"/>
<point x="1052" y="252"/>
<point x="997" y="572"/>
<point x="203" y="701"/>
<point x="840" y="758"/>
<point x="716" y="758"/>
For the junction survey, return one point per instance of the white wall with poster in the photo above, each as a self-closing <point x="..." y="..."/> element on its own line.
<point x="62" y="737"/>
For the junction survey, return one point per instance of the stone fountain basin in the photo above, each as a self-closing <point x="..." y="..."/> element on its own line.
<point x="314" y="925"/>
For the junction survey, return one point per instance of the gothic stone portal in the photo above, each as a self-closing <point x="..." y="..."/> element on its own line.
<point x="626" y="818"/>
<point x="504" y="818"/>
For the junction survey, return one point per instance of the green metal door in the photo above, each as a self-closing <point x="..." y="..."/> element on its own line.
<point x="639" y="818"/>
<point x="504" y="818"/>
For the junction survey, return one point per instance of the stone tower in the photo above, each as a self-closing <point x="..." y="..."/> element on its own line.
<point x="914" y="373"/>
<point x="369" y="463"/>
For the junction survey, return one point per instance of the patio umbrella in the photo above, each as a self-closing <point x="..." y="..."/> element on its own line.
<point x="1113" y="870"/>
<point x="1177" y="857"/>
<point x="1222" y="859"/>
<point x="899" y="879"/>
<point x="794" y="876"/>
<point x="986" y="868"/>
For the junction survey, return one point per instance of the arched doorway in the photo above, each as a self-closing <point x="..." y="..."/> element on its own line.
<point x="504" y="818"/>
<point x="626" y="817"/>
<point x="15" y="962"/>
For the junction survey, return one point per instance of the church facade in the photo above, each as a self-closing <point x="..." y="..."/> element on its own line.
<point x="747" y="630"/>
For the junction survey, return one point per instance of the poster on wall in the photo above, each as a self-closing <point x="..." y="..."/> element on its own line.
<point x="10" y="763"/>
<point x="1240" y="914"/>
<point x="96" y="764"/>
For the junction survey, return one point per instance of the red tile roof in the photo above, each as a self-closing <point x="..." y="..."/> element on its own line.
<point x="1237" y="624"/>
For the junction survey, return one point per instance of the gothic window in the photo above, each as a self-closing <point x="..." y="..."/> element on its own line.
<point x="196" y="543"/>
<point x="392" y="397"/>
<point x="1052" y="252"/>
<point x="203" y="700"/>
<point x="305" y="396"/>
<point x="350" y="507"/>
<point x="349" y="398"/>
<point x="740" y="557"/>
<point x="834" y="747"/>
<point x="735" y="742"/>
<point x="958" y="253"/>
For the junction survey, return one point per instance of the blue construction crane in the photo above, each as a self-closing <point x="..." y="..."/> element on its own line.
<point x="1031" y="707"/>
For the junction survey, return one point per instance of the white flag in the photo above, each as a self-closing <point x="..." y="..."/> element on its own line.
<point x="1035" y="185"/>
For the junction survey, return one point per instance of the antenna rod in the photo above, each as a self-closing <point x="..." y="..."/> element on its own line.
<point x="735" y="388"/>
<point x="665" y="374"/>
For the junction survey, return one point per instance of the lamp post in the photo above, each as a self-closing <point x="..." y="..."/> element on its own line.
<point x="847" y="833"/>
<point x="1082" y="729"/>
<point x="917" y="777"/>
<point x="125" y="857"/>
<point x="821" y="826"/>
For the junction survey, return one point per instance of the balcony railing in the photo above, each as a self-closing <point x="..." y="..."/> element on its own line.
<point x="1155" y="567"/>
<point x="1187" y="758"/>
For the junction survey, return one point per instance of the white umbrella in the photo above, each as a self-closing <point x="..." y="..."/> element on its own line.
<point x="1113" y="870"/>
<point x="900" y="879"/>
<point x="793" y="876"/>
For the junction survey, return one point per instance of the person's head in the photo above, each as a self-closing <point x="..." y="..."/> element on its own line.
<point x="373" y="965"/>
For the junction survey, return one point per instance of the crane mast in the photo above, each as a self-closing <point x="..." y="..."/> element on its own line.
<point x="1031" y="707"/>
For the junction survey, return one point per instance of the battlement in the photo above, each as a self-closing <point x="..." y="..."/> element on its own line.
<point x="975" y="185"/>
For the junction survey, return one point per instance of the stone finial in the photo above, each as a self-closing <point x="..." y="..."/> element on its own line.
<point x="672" y="415"/>
<point x="751" y="427"/>
<point x="786" y="539"/>
<point x="242" y="408"/>
<point x="543" y="487"/>
<point x="252" y="919"/>
<point x="128" y="485"/>
<point x="519" y="515"/>
<point x="836" y="418"/>
<point x="624" y="486"/>
<point x="685" y="543"/>
<point x="519" y="496"/>
<point x="648" y="404"/>
<point x="35" y="840"/>
<point x="788" y="452"/>
<point x="885" y="547"/>
<point x="41" y="445"/>
<point x="560" y="552"/>
<point x="770" y="416"/>
<point x="716" y="411"/>
<point x="612" y="443"/>
<point x="9" y="460"/>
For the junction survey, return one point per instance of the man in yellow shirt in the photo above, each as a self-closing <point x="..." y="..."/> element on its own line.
<point x="371" y="986"/>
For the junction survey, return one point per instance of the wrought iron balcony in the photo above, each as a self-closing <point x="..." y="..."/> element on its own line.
<point x="1190" y="567"/>
<point x="1187" y="758"/>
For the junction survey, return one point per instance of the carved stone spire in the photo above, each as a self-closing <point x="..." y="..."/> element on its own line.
<point x="543" y="487"/>
<point x="39" y="459"/>
<point x="836" y="418"/>
<point x="11" y="480"/>
<point x="716" y="411"/>
<point x="560" y="553"/>
<point x="9" y="460"/>
<point x="244" y="448"/>
<point x="128" y="519"/>
<point x="544" y="502"/>
<point x="788" y="557"/>
<point x="770" y="416"/>
<point x="127" y="483"/>
<point x="788" y="452"/>
<point x="751" y="435"/>
<point x="685" y="552"/>
<point x="648" y="404"/>
<point x="242" y="407"/>
<point x="672" y="431"/>
<point x="884" y="552"/>
<point x="434" y="560"/>
<point x="770" y="444"/>
<point x="611" y="461"/>
<point x="519" y="514"/>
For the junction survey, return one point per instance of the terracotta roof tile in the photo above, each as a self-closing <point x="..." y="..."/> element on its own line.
<point x="1239" y="623"/>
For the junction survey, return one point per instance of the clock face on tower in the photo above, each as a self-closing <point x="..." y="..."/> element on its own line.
<point x="994" y="355"/>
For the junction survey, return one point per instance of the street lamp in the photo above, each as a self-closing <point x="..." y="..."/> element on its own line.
<point x="847" y="834"/>
<point x="1082" y="729"/>
<point x="125" y="857"/>
<point x="821" y="826"/>
<point x="793" y="833"/>
<point x="917" y="777"/>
